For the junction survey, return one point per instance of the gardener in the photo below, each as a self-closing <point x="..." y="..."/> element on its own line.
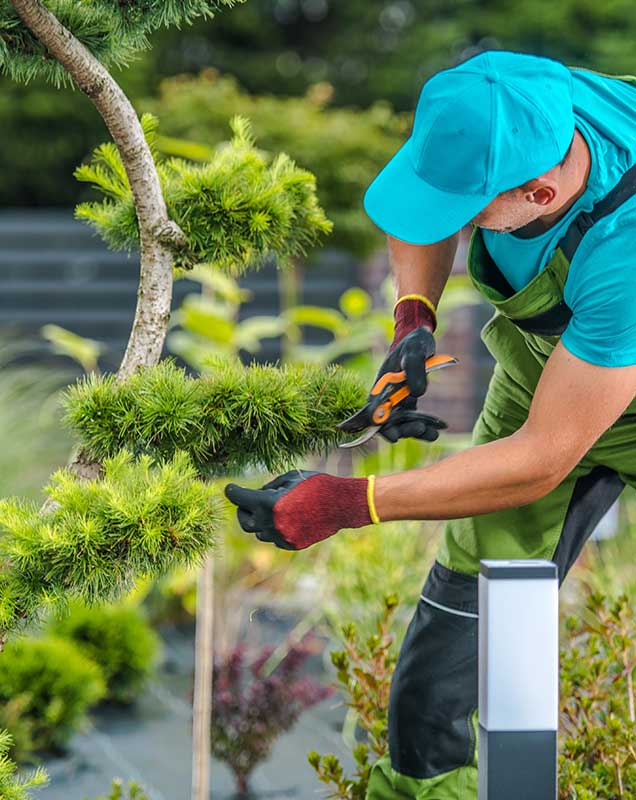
<point x="540" y="159"/>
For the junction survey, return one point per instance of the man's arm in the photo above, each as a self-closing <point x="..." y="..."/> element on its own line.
<point x="421" y="268"/>
<point x="574" y="403"/>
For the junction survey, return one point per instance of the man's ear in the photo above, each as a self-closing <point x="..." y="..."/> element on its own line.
<point x="542" y="192"/>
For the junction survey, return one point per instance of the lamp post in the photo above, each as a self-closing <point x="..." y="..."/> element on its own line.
<point x="518" y="680"/>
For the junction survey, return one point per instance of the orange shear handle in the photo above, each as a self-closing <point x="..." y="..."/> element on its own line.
<point x="382" y="412"/>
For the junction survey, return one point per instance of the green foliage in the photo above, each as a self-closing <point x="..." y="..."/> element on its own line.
<point x="121" y="791"/>
<point x="232" y="419"/>
<point x="119" y="639"/>
<point x="370" y="49"/>
<point x="101" y="534"/>
<point x="597" y="738"/>
<point x="14" y="718"/>
<point x="355" y="328"/>
<point x="344" y="147"/>
<point x="33" y="443"/>
<point x="356" y="569"/>
<point x="113" y="30"/>
<point x="598" y="716"/>
<point x="364" y="670"/>
<point x="59" y="685"/>
<point x="13" y="787"/>
<point x="234" y="209"/>
<point x="207" y="326"/>
<point x="84" y="351"/>
<point x="46" y="132"/>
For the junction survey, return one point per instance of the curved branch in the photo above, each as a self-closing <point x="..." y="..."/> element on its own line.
<point x="159" y="235"/>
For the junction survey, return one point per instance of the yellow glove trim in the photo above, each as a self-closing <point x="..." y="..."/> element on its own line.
<point x="373" y="513"/>
<point x="421" y="297"/>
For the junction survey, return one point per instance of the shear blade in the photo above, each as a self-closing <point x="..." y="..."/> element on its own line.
<point x="357" y="422"/>
<point x="368" y="434"/>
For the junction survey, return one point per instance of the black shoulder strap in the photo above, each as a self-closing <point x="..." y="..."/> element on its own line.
<point x="581" y="224"/>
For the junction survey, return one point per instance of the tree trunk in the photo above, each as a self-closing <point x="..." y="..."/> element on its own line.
<point x="242" y="787"/>
<point x="202" y="701"/>
<point x="158" y="235"/>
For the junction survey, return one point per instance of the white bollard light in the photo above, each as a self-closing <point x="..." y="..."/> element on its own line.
<point x="518" y="680"/>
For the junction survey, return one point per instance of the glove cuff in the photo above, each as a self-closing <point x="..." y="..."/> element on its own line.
<point x="410" y="312"/>
<point x="321" y="505"/>
<point x="373" y="513"/>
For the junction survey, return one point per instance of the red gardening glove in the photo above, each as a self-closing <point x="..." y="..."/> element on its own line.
<point x="412" y="344"/>
<point x="300" y="508"/>
<point x="410" y="314"/>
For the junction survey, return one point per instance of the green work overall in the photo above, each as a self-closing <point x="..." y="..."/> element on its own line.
<point x="433" y="700"/>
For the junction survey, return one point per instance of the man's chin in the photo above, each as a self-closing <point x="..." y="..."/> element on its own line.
<point x="508" y="229"/>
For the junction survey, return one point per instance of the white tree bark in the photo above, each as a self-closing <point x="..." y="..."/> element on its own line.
<point x="159" y="235"/>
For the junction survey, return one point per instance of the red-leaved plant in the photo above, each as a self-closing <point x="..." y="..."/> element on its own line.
<point x="252" y="708"/>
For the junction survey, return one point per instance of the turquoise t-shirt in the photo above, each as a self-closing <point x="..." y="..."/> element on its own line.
<point x="601" y="283"/>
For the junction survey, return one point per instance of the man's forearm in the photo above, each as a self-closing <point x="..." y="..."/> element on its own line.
<point x="506" y="473"/>
<point x="422" y="269"/>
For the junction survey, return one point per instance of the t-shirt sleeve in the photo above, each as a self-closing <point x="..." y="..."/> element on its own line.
<point x="601" y="291"/>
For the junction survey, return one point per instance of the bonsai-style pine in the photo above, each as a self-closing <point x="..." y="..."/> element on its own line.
<point x="134" y="500"/>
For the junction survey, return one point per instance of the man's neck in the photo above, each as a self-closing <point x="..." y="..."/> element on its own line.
<point x="581" y="162"/>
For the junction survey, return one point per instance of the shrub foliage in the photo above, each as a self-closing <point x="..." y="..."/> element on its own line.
<point x="119" y="639"/>
<point x="13" y="787"/>
<point x="113" y="30"/>
<point x="248" y="717"/>
<point x="365" y="668"/>
<point x="137" y="519"/>
<point x="57" y="682"/>
<point x="598" y="714"/>
<point x="234" y="209"/>
<point x="344" y="147"/>
<point x="235" y="418"/>
<point x="597" y="738"/>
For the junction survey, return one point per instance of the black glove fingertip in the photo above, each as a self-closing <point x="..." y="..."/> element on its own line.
<point x="390" y="433"/>
<point x="246" y="520"/>
<point x="230" y="490"/>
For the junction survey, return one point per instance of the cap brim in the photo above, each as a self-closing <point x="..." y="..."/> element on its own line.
<point x="407" y="208"/>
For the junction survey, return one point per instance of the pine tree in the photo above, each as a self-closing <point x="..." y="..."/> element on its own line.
<point x="134" y="500"/>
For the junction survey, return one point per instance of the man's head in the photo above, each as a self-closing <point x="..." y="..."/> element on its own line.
<point x="483" y="132"/>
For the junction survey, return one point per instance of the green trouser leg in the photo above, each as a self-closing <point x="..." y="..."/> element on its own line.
<point x="433" y="702"/>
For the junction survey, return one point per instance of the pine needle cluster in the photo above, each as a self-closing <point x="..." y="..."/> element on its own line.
<point x="112" y="30"/>
<point x="234" y="209"/>
<point x="233" y="419"/>
<point x="138" y="519"/>
<point x="13" y="787"/>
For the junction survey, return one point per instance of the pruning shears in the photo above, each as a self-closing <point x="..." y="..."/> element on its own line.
<point x="388" y="392"/>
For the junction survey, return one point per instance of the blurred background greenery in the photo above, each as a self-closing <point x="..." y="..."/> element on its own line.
<point x="367" y="51"/>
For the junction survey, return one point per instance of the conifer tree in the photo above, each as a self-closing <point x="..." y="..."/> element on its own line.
<point x="227" y="213"/>
<point x="134" y="500"/>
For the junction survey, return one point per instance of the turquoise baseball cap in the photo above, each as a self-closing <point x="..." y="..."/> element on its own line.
<point x="485" y="126"/>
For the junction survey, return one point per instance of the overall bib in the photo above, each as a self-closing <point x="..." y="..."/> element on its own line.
<point x="433" y="698"/>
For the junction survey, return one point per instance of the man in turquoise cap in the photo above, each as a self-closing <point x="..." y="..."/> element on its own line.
<point x="541" y="159"/>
